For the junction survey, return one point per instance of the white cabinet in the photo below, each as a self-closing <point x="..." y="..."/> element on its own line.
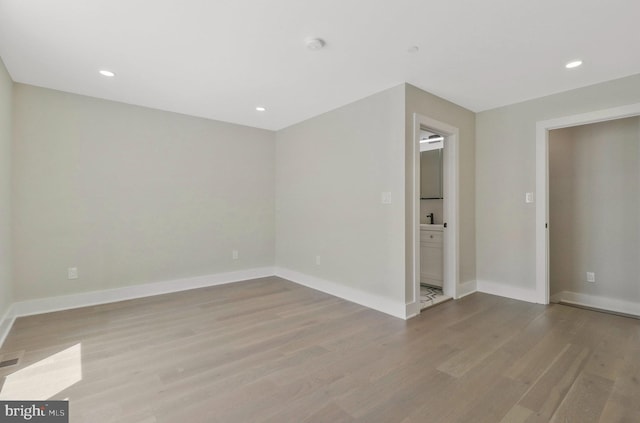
<point x="431" y="263"/>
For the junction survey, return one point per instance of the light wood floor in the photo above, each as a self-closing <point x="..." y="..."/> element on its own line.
<point x="269" y="350"/>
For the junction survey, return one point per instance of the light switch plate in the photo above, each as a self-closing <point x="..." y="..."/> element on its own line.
<point x="528" y="197"/>
<point x="72" y="273"/>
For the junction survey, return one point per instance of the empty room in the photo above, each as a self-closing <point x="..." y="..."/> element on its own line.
<point x="285" y="211"/>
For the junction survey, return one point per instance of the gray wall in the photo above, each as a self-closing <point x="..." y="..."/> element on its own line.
<point x="505" y="170"/>
<point x="421" y="102"/>
<point x="131" y="195"/>
<point x="331" y="171"/>
<point x="594" y="213"/>
<point x="6" y="86"/>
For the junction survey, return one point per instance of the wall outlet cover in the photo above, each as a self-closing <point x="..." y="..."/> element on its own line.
<point x="591" y="277"/>
<point x="72" y="273"/>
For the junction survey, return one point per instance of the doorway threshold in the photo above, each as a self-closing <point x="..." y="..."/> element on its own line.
<point x="431" y="296"/>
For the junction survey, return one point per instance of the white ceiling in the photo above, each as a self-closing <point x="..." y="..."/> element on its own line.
<point x="220" y="59"/>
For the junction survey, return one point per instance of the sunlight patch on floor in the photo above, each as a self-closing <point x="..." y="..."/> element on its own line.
<point x="45" y="378"/>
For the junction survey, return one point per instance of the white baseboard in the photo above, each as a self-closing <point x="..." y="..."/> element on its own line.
<point x="376" y="302"/>
<point x="602" y="303"/>
<point x="556" y="298"/>
<point x="65" y="302"/>
<point x="412" y="309"/>
<point x="508" y="291"/>
<point x="85" y="299"/>
<point x="467" y="288"/>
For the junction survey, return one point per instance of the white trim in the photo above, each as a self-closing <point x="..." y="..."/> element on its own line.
<point x="412" y="309"/>
<point x="415" y="224"/>
<point x="47" y="305"/>
<point x="604" y="115"/>
<point x="602" y="303"/>
<point x="555" y="298"/>
<point x="508" y="291"/>
<point x="66" y="302"/>
<point x="376" y="302"/>
<point x="450" y="205"/>
<point x="542" y="182"/>
<point x="467" y="288"/>
<point x="542" y="211"/>
<point x="6" y="323"/>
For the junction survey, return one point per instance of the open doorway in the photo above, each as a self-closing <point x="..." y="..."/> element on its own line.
<point x="591" y="295"/>
<point x="435" y="223"/>
<point x="594" y="212"/>
<point x="431" y="218"/>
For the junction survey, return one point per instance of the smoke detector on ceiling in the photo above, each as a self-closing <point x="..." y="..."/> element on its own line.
<point x="314" y="44"/>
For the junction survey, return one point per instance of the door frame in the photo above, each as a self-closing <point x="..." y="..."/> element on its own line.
<point x="542" y="182"/>
<point x="451" y="235"/>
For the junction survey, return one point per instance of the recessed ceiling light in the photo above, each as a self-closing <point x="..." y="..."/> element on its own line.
<point x="573" y="64"/>
<point x="314" y="43"/>
<point x="107" y="73"/>
<point x="260" y="109"/>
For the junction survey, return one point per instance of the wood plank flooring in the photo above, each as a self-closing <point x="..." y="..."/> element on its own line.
<point x="269" y="350"/>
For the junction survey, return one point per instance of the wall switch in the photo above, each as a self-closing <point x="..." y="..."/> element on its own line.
<point x="591" y="277"/>
<point x="528" y="197"/>
<point x="72" y="273"/>
<point x="234" y="254"/>
<point x="318" y="260"/>
<point x="386" y="198"/>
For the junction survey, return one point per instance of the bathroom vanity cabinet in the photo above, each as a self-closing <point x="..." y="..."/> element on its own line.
<point x="431" y="258"/>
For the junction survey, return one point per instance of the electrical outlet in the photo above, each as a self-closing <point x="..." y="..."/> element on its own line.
<point x="72" y="273"/>
<point x="234" y="254"/>
<point x="591" y="277"/>
<point x="318" y="260"/>
<point x="386" y="198"/>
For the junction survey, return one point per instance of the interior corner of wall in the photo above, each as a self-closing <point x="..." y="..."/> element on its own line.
<point x="6" y="323"/>
<point x="467" y="288"/>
